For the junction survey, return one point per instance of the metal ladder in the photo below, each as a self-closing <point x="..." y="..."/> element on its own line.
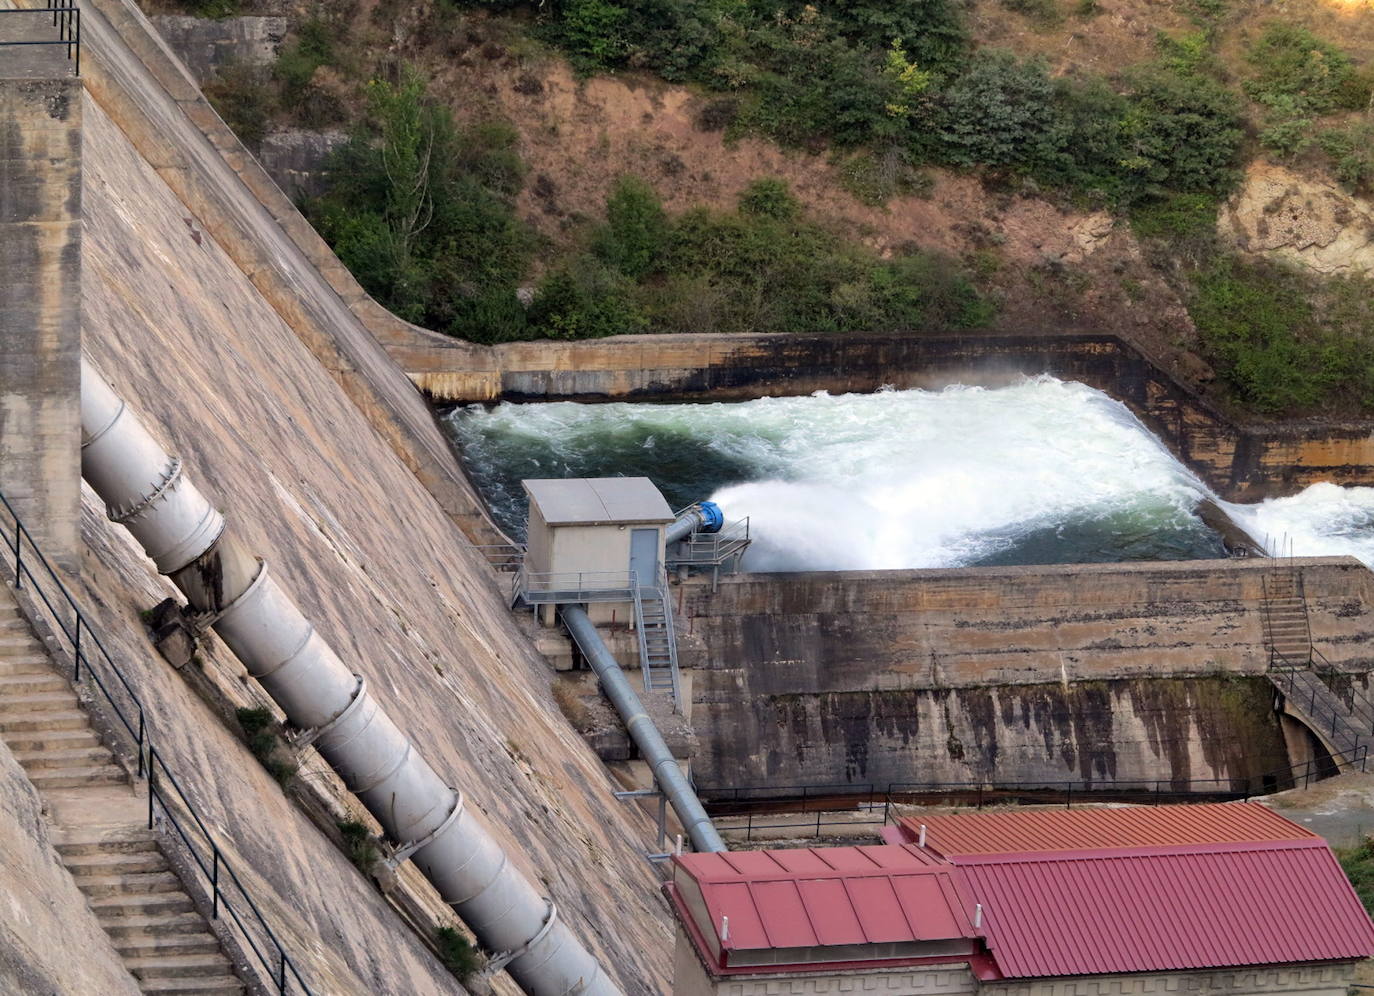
<point x="657" y="640"/>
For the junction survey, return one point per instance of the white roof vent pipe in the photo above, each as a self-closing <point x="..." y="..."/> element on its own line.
<point x="145" y="490"/>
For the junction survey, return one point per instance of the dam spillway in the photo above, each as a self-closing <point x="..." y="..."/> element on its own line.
<point x="1041" y="472"/>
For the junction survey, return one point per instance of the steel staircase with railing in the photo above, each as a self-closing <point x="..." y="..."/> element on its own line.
<point x="1345" y="721"/>
<point x="657" y="639"/>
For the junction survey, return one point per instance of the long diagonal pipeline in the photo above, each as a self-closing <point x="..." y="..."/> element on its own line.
<point x="146" y="491"/>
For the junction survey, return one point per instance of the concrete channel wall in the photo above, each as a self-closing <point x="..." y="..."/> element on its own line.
<point x="1018" y="673"/>
<point x="1239" y="462"/>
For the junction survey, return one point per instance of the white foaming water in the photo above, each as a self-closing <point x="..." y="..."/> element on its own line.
<point x="1323" y="521"/>
<point x="1040" y="472"/>
<point x="904" y="479"/>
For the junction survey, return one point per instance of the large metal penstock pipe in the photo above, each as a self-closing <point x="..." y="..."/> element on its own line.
<point x="145" y="490"/>
<point x="671" y="781"/>
<point x="703" y="517"/>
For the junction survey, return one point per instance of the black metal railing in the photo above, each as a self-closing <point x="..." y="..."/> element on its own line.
<point x="1357" y="713"/>
<point x="66" y="18"/>
<point x="93" y="663"/>
<point x="818" y="807"/>
<point x="813" y="811"/>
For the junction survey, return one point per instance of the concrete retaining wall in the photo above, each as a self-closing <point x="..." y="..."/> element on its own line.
<point x="1021" y="673"/>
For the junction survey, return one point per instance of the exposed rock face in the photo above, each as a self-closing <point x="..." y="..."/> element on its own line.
<point x="296" y="160"/>
<point x="1306" y="221"/>
<point x="207" y="46"/>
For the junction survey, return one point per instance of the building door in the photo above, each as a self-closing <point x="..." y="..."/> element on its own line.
<point x="644" y="556"/>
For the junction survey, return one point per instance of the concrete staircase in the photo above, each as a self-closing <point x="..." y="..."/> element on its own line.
<point x="99" y="825"/>
<point x="1286" y="628"/>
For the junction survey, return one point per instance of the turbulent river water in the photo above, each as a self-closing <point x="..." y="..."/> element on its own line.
<point x="1042" y="472"/>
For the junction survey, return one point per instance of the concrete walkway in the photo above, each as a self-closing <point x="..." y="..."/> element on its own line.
<point x="44" y="62"/>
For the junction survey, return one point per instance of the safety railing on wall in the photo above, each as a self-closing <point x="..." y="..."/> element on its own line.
<point x="818" y="810"/>
<point x="576" y="587"/>
<point x="66" y="19"/>
<point x="1306" y="690"/>
<point x="505" y="558"/>
<point x="92" y="663"/>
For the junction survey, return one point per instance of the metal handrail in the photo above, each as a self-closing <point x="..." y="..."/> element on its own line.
<point x="720" y="801"/>
<point x="573" y="587"/>
<point x="710" y="549"/>
<point x="81" y="635"/>
<point x="1360" y="707"/>
<point x="66" y="18"/>
<point x="503" y="557"/>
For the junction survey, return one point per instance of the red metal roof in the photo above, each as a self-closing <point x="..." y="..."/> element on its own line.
<point x="813" y="897"/>
<point x="1082" y="829"/>
<point x="1056" y="914"/>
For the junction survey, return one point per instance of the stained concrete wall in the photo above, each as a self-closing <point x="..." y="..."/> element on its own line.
<point x="40" y="299"/>
<point x="44" y="919"/>
<point x="1017" y="673"/>
<point x="388" y="579"/>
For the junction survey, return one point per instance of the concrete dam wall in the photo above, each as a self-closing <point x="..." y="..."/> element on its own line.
<point x="243" y="361"/>
<point x="1013" y="673"/>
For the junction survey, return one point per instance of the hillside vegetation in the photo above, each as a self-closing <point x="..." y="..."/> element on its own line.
<point x="442" y="219"/>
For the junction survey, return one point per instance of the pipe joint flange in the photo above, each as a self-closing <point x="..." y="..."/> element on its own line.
<point x="114" y="420"/>
<point x="404" y="851"/>
<point x="379" y="778"/>
<point x="227" y="612"/>
<point x="501" y="959"/>
<point x="167" y="483"/>
<point x="307" y="737"/>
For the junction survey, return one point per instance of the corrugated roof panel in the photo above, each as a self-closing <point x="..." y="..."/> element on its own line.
<point x="733" y="900"/>
<point x="708" y="865"/>
<point x="803" y="859"/>
<point x="880" y="914"/>
<point x="1082" y="829"/>
<point x="1240" y="904"/>
<point x="832" y="914"/>
<point x="785" y="916"/>
<point x="849" y="859"/>
<point x="754" y="863"/>
<point x="924" y="906"/>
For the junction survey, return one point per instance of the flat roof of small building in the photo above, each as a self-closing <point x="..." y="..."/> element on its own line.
<point x="873" y="905"/>
<point x="598" y="501"/>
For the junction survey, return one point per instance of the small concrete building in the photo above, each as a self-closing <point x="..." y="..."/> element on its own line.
<point x="591" y="535"/>
<point x="1229" y="899"/>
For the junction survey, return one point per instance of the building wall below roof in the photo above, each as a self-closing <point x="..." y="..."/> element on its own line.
<point x="690" y="978"/>
<point x="1328" y="979"/>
